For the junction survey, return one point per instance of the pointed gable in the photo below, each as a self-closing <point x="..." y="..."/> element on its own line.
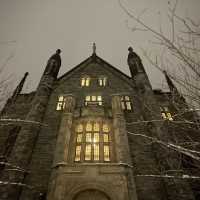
<point x="95" y="66"/>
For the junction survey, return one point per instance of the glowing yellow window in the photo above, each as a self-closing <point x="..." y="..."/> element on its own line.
<point x="126" y="103"/>
<point x="78" y="153"/>
<point x="102" y="81"/>
<point x="166" y="113"/>
<point x="85" y="81"/>
<point x="106" y="153"/>
<point x="60" y="103"/>
<point x="79" y="138"/>
<point x="79" y="128"/>
<point x="88" y="152"/>
<point x="93" y="142"/>
<point x="89" y="126"/>
<point x="96" y="137"/>
<point x="96" y="126"/>
<point x="88" y="137"/>
<point x="105" y="137"/>
<point x="105" y="128"/>
<point x="96" y="152"/>
<point x="169" y="116"/>
<point x="94" y="98"/>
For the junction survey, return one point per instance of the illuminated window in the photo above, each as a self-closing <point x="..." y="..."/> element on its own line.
<point x="85" y="81"/>
<point x="106" y="153"/>
<point x="88" y="151"/>
<point x="166" y="113"/>
<point x="60" y="103"/>
<point x="93" y="100"/>
<point x="93" y="142"/>
<point x="78" y="153"/>
<point x="126" y="103"/>
<point x="96" y="152"/>
<point x="102" y="81"/>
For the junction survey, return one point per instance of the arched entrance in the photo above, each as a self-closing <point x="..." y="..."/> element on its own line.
<point x="91" y="195"/>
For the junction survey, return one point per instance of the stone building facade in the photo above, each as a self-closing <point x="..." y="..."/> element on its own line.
<point x="88" y="135"/>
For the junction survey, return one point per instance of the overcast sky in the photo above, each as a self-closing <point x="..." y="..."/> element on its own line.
<point x="31" y="31"/>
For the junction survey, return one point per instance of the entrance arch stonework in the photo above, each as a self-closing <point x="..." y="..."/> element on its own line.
<point x="91" y="191"/>
<point x="91" y="195"/>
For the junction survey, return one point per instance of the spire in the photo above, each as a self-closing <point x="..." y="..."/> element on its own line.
<point x="171" y="85"/>
<point x="94" y="48"/>
<point x="19" y="88"/>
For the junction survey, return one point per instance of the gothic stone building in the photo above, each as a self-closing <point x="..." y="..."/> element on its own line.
<point x="88" y="135"/>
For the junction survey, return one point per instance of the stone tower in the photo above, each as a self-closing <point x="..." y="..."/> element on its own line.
<point x="88" y="135"/>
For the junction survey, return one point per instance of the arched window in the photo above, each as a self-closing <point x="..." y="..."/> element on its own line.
<point x="85" y="81"/>
<point x="93" y="142"/>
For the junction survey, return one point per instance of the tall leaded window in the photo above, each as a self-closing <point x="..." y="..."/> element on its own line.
<point x="85" y="81"/>
<point x="126" y="103"/>
<point x="93" y="142"/>
<point x="60" y="103"/>
<point x="166" y="113"/>
<point x="93" y="100"/>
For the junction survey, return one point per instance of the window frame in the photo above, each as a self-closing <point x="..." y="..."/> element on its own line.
<point x="126" y="103"/>
<point x="85" y="81"/>
<point x="165" y="113"/>
<point x="100" y="143"/>
<point x="93" y="100"/>
<point x="60" y="103"/>
<point x="102" y="81"/>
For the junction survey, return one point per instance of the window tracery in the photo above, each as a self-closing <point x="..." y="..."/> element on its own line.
<point x="93" y="142"/>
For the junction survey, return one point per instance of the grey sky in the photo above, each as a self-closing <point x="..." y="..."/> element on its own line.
<point x="36" y="28"/>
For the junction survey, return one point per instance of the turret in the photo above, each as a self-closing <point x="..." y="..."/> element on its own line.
<point x="27" y="137"/>
<point x="19" y="88"/>
<point x="135" y="63"/>
<point x="137" y="70"/>
<point x="53" y="64"/>
<point x="170" y="83"/>
<point x="178" y="100"/>
<point x="15" y="94"/>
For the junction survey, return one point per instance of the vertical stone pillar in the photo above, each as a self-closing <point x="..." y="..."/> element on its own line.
<point x="64" y="133"/>
<point x="56" y="187"/>
<point x="120" y="133"/>
<point x="121" y="144"/>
